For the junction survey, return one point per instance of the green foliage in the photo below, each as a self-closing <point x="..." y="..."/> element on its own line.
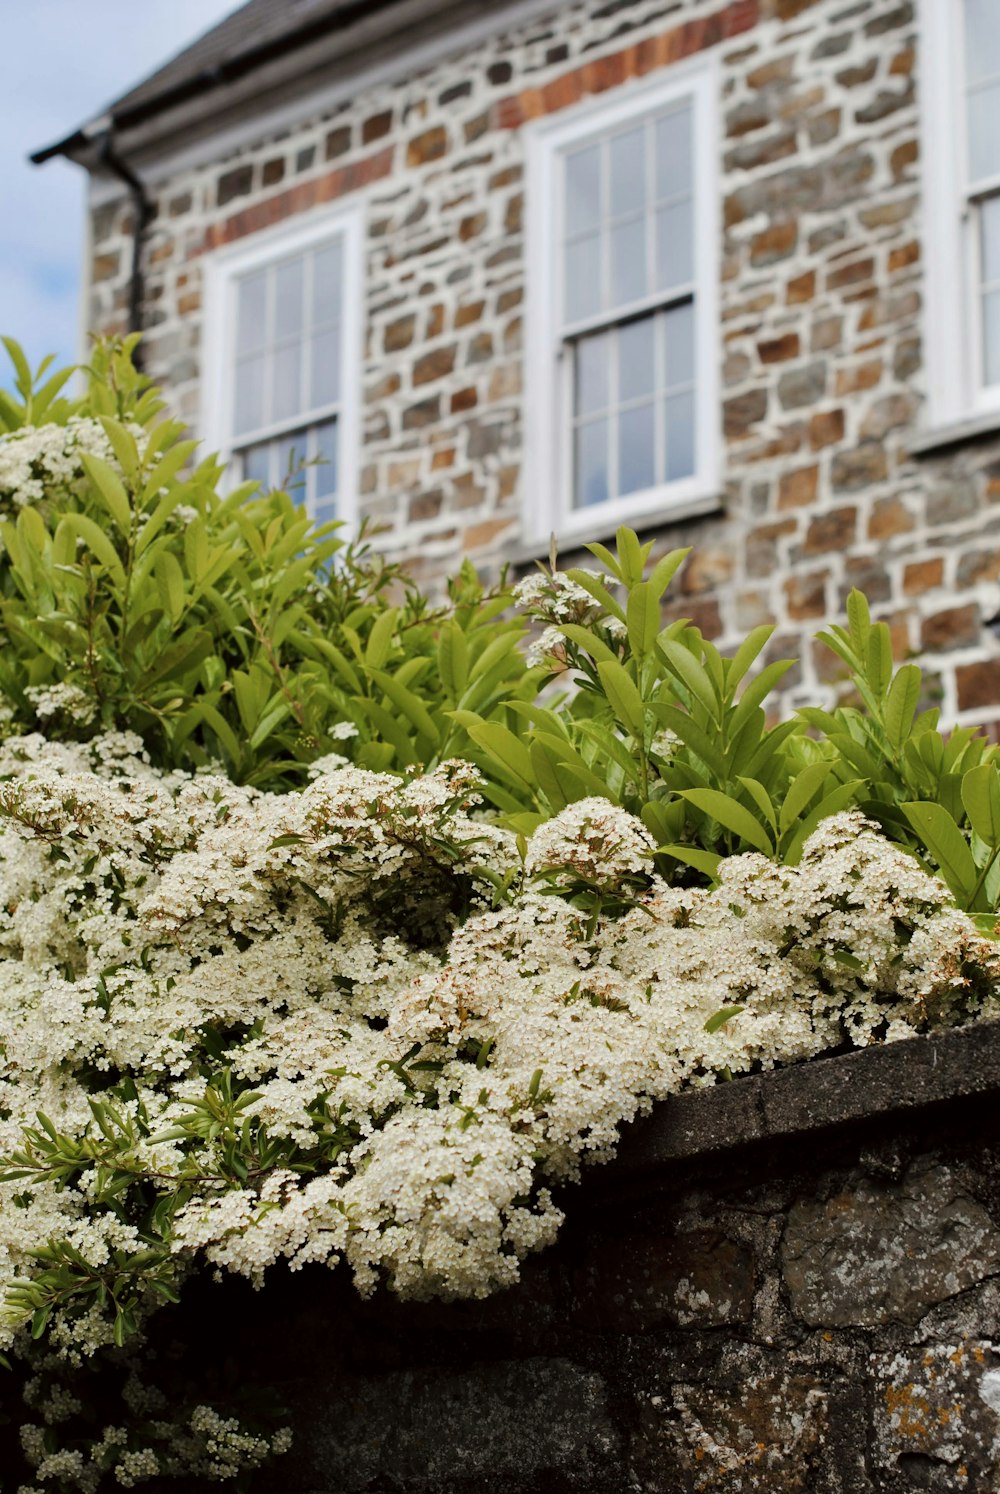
<point x="660" y="722"/>
<point x="938" y="795"/>
<point x="223" y="628"/>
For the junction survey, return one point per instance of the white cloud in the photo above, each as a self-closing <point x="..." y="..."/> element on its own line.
<point x="63" y="61"/>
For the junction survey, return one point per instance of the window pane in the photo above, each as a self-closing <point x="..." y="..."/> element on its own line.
<point x="257" y="464"/>
<point x="591" y="464"/>
<point x="674" y="257"/>
<point x="991" y="338"/>
<point x="628" y="262"/>
<point x="989" y="214"/>
<point x="583" y="278"/>
<point x="628" y="173"/>
<point x="288" y="291"/>
<point x="982" y="39"/>
<point x="287" y="400"/>
<point x="592" y="363"/>
<point x="680" y="436"/>
<point x="673" y="153"/>
<point x="250" y="382"/>
<point x="326" y="451"/>
<point x="251" y="313"/>
<point x="325" y="388"/>
<point x="679" y="333"/>
<point x="636" y="359"/>
<point x="583" y="189"/>
<point x="636" y="449"/>
<point x="326" y="284"/>
<point x="984" y="136"/>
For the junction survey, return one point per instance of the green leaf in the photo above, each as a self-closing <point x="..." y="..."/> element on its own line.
<point x="981" y="798"/>
<point x="801" y="792"/>
<point x="453" y="659"/>
<point x="859" y="620"/>
<point x="688" y="669"/>
<point x="731" y="815"/>
<point x="665" y="569"/>
<point x="170" y="580"/>
<point x="123" y="444"/>
<point x="643" y="616"/>
<point x="762" y="799"/>
<point x="409" y="704"/>
<point x="380" y="638"/>
<point x="746" y="655"/>
<point x="597" y="589"/>
<point x="97" y="542"/>
<point x="21" y="367"/>
<point x="722" y="1016"/>
<point x="879" y="661"/>
<point x="500" y="743"/>
<point x="624" y="697"/>
<point x="946" y="843"/>
<point x="109" y="485"/>
<point x="901" y="704"/>
<point x="631" y="555"/>
<point x="587" y="640"/>
<point x="703" y="861"/>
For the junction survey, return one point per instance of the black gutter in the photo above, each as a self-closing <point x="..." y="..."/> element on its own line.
<point x="219" y="73"/>
<point x="144" y="214"/>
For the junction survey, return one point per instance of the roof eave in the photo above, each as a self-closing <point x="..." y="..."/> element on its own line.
<point x="213" y="90"/>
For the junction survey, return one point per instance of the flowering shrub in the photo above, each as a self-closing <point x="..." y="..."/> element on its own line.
<point x="223" y="629"/>
<point x="329" y="942"/>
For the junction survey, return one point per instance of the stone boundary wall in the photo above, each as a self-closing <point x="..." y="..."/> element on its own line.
<point x="821" y="305"/>
<point x="784" y="1285"/>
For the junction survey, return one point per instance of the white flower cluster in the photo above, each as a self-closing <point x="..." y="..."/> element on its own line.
<point x="43" y="461"/>
<point x="555" y="599"/>
<point x="202" y="1445"/>
<point x="426" y="1030"/>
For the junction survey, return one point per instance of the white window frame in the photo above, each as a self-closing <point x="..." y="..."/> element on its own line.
<point x="951" y="241"/>
<point x="222" y="271"/>
<point x="548" y="504"/>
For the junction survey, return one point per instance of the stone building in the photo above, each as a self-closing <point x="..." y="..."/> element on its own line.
<point x="726" y="270"/>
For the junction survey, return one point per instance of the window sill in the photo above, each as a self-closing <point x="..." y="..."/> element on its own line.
<point x="941" y="437"/>
<point x="538" y="547"/>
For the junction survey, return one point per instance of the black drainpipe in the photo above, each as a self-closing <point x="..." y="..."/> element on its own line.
<point x="144" y="212"/>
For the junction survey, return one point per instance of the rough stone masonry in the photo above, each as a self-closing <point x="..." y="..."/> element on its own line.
<point x="822" y="298"/>
<point x="813" y="1310"/>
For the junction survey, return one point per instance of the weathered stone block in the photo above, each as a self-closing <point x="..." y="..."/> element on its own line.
<point x="866" y="464"/>
<point x="802" y="386"/>
<point x="831" y="533"/>
<point x="953" y="627"/>
<point x="696" y="1277"/>
<point x="779" y="349"/>
<point x="937" y="1415"/>
<point x="743" y="412"/>
<point x="978" y="685"/>
<point x="434" y="365"/>
<point x="798" y="489"/>
<point x="876" y="1255"/>
<point x="516" y="1421"/>
<point x="728" y="1438"/>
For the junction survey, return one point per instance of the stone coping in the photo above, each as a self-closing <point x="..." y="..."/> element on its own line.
<point x="896" y="1079"/>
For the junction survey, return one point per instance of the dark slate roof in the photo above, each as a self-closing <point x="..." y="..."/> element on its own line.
<point x="254" y="34"/>
<point x="251" y="33"/>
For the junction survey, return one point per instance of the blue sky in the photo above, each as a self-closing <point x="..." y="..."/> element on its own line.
<point x="62" y="62"/>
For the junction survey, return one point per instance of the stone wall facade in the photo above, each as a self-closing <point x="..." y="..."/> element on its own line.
<point x="784" y="1285"/>
<point x="821" y="314"/>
